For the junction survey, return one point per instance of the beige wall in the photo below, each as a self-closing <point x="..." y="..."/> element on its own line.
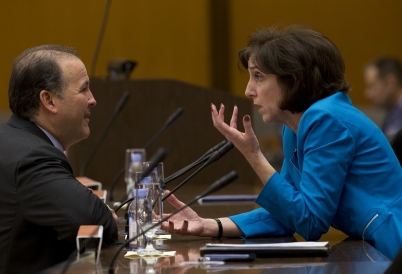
<point x="171" y="39"/>
<point x="168" y="39"/>
<point x="362" y="29"/>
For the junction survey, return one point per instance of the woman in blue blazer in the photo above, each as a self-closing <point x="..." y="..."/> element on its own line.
<point x="339" y="169"/>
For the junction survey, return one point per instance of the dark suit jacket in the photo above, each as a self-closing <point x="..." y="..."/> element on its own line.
<point x="397" y="146"/>
<point x="42" y="205"/>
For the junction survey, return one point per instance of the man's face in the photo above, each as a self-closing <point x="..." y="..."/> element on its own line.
<point x="377" y="90"/>
<point x="73" y="111"/>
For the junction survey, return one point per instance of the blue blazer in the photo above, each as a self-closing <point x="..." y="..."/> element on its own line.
<point x="339" y="170"/>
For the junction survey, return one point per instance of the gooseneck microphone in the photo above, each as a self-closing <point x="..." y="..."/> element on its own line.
<point x="218" y="184"/>
<point x="215" y="148"/>
<point x="214" y="157"/>
<point x="155" y="159"/>
<point x="210" y="158"/>
<point x="200" y="160"/>
<point x="119" y="106"/>
<point x="168" y="122"/>
<point x="100" y="37"/>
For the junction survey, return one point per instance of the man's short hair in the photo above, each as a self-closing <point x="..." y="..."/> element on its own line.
<point x="37" y="69"/>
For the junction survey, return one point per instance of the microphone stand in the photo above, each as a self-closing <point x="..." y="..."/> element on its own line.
<point x="155" y="159"/>
<point x="185" y="181"/>
<point x="158" y="157"/>
<point x="168" y="122"/>
<point x="214" y="156"/>
<point x="202" y="159"/>
<point x="211" y="158"/>
<point x="123" y="100"/>
<point x="220" y="183"/>
<point x="177" y="174"/>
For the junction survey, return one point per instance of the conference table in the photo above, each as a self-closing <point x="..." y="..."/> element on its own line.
<point x="349" y="256"/>
<point x="346" y="256"/>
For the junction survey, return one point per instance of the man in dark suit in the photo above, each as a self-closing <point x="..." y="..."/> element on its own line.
<point x="42" y="205"/>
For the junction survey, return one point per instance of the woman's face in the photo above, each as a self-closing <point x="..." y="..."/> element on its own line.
<point x="266" y="93"/>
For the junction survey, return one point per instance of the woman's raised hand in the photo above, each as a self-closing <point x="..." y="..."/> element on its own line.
<point x="246" y="142"/>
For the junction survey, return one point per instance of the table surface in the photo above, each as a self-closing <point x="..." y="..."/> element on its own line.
<point x="346" y="256"/>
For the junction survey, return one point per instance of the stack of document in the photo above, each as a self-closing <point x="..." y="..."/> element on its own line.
<point x="266" y="250"/>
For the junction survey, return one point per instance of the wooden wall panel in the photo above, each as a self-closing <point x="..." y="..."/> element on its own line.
<point x="150" y="104"/>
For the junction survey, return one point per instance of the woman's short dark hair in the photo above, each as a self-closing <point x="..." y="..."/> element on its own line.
<point x="36" y="69"/>
<point x="308" y="65"/>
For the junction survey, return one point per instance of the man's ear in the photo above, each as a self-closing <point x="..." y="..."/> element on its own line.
<point x="47" y="100"/>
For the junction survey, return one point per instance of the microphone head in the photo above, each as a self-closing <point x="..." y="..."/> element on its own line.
<point x="223" y="150"/>
<point x="215" y="148"/>
<point x="218" y="154"/>
<point x="174" y="116"/>
<point x="222" y="182"/>
<point x="155" y="159"/>
<point x="168" y="122"/>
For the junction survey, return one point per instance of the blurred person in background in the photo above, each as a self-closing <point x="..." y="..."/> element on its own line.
<point x="383" y="78"/>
